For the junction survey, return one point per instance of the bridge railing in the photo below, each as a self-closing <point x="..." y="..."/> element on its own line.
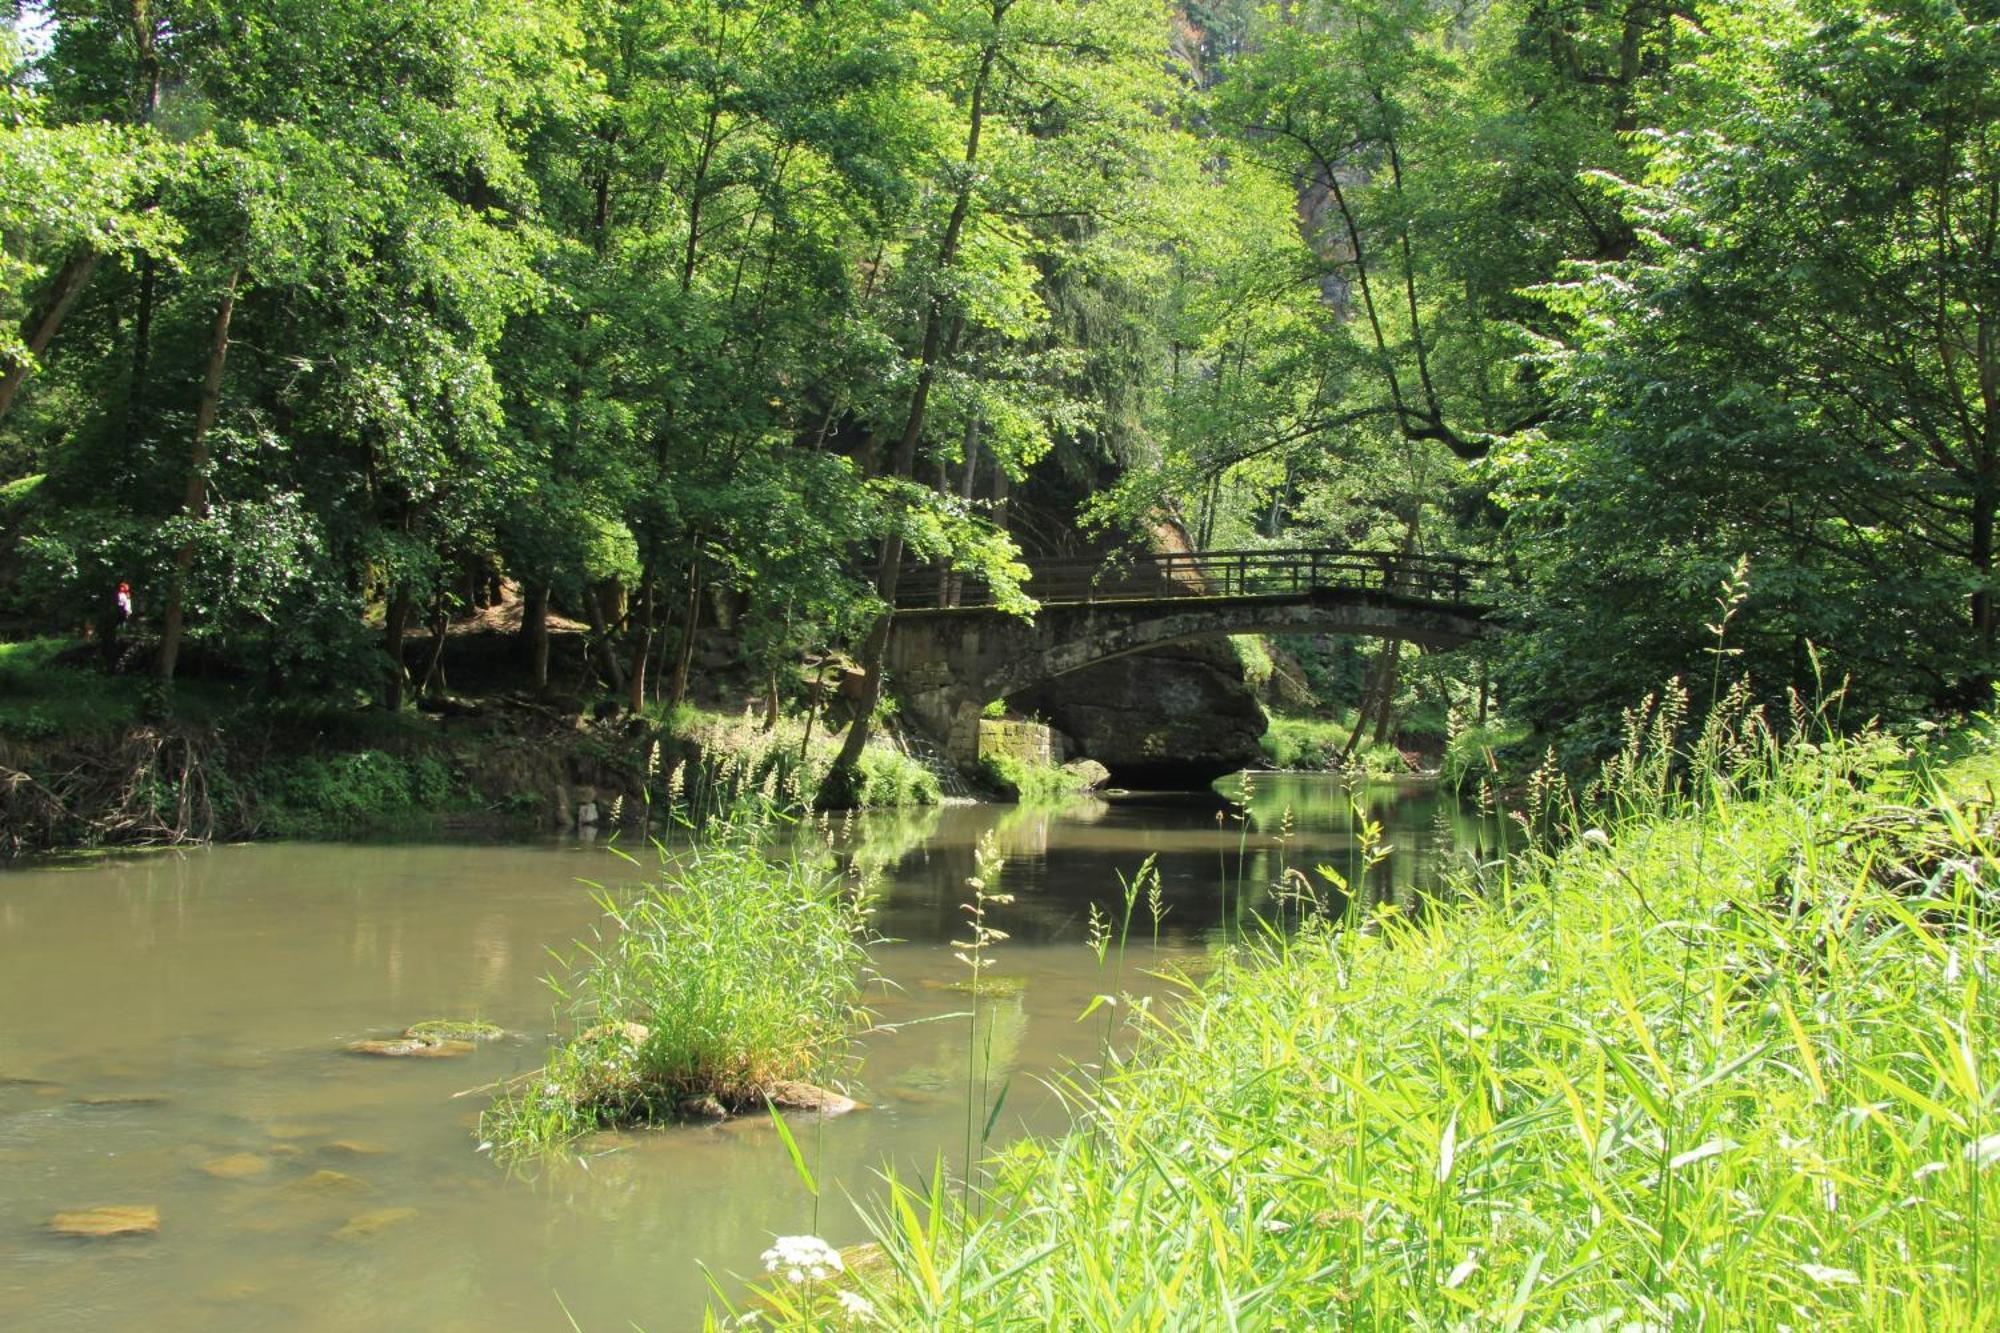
<point x="1248" y="573"/>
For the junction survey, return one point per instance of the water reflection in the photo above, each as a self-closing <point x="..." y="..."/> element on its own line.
<point x="164" y="1014"/>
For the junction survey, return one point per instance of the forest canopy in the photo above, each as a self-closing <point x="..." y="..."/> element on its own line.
<point x="313" y="315"/>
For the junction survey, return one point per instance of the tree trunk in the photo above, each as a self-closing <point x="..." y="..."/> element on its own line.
<point x="614" y="670"/>
<point x="642" y="647"/>
<point x="1370" y="689"/>
<point x="952" y="585"/>
<point x="1983" y="505"/>
<point x="142" y="347"/>
<point x="194" y="502"/>
<point x="535" y="628"/>
<point x="395" y="626"/>
<point x="839" y="791"/>
<point x="433" y="681"/>
<point x="690" y="625"/>
<point x="1390" y="662"/>
<point x="41" y="330"/>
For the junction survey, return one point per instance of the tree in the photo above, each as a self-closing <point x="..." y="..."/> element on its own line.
<point x="1798" y="363"/>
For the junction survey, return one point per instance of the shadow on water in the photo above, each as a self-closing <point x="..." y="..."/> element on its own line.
<point x="172" y="1031"/>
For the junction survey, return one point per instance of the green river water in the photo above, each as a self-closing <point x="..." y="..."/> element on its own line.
<point x="165" y="1017"/>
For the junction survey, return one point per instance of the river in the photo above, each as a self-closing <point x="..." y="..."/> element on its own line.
<point x="172" y="1025"/>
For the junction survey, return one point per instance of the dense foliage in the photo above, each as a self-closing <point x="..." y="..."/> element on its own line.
<point x="320" y="318"/>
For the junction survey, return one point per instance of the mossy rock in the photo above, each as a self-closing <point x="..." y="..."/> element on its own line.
<point x="453" y="1029"/>
<point x="363" y="1225"/>
<point x="409" y="1048"/>
<point x="115" y="1220"/>
<point x="237" y="1166"/>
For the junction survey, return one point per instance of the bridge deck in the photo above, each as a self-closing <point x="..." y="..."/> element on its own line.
<point x="1449" y="580"/>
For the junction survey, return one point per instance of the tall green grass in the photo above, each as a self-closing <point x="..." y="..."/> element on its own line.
<point x="736" y="971"/>
<point x="741" y="765"/>
<point x="1030" y="783"/>
<point x="1314" y="744"/>
<point x="1725" y="1057"/>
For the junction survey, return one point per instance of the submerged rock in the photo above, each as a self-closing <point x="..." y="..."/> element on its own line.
<point x="122" y="1099"/>
<point x="128" y="1219"/>
<point x="793" y="1096"/>
<point x="410" y="1048"/>
<point x="236" y="1166"/>
<point x="453" y="1029"/>
<point x="355" y="1148"/>
<point x="325" y="1182"/>
<point x="362" y="1225"/>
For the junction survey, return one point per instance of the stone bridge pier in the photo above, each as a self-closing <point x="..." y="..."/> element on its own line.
<point x="947" y="665"/>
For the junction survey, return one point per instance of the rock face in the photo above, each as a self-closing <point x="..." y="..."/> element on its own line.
<point x="1176" y="717"/>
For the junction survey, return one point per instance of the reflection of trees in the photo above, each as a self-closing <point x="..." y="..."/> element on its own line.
<point x="1061" y="860"/>
<point x="879" y="841"/>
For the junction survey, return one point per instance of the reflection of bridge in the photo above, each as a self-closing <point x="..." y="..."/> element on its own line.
<point x="952" y="651"/>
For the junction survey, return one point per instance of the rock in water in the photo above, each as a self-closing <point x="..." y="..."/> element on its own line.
<point x="410" y="1048"/>
<point x="1089" y="774"/>
<point x="128" y="1219"/>
<point x="236" y="1166"/>
<point x="322" y="1182"/>
<point x="362" y="1225"/>
<point x="355" y="1148"/>
<point x="452" y="1029"/>
<point x="790" y="1096"/>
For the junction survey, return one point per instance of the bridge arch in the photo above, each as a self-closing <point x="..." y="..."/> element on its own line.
<point x="948" y="663"/>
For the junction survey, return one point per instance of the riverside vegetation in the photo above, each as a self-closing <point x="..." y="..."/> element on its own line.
<point x="1723" y="1052"/>
<point x="658" y="340"/>
<point x="736" y="976"/>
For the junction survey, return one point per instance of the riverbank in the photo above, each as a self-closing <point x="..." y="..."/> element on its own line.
<point x="1722" y="1058"/>
<point x="87" y="761"/>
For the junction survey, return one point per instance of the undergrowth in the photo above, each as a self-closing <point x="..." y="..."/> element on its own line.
<point x="1029" y="783"/>
<point x="1317" y="745"/>
<point x="743" y="763"/>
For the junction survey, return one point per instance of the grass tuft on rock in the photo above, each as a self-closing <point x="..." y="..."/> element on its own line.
<point x="738" y="972"/>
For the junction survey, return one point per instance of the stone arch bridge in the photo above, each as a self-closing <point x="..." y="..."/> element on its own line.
<point x="951" y="651"/>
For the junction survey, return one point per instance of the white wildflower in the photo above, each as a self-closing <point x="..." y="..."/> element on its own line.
<point x="803" y="1259"/>
<point x="856" y="1306"/>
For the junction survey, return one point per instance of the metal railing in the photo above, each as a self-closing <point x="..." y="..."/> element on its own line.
<point x="1153" y="577"/>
